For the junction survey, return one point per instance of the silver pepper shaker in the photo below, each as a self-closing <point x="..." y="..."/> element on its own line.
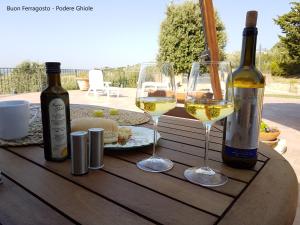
<point x="79" y="153"/>
<point x="96" y="148"/>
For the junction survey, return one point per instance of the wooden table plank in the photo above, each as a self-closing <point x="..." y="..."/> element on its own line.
<point x="17" y="206"/>
<point x="181" y="140"/>
<point x="187" y="122"/>
<point x="192" y="126"/>
<point x="271" y="197"/>
<point x="197" y="130"/>
<point x="191" y="161"/>
<point x="200" y="143"/>
<point x="187" y="157"/>
<point x="76" y="202"/>
<point x="193" y="195"/>
<point x="175" y="130"/>
<point x="215" y="144"/>
<point x="156" y="206"/>
<point x="232" y="188"/>
<point x="190" y="141"/>
<point x="199" y="151"/>
<point x="188" y="134"/>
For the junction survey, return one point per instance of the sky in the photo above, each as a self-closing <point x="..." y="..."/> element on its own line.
<point x="115" y="32"/>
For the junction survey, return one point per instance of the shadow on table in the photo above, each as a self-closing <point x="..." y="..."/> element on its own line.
<point x="286" y="114"/>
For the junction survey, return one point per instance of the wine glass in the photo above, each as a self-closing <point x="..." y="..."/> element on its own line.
<point x="156" y="95"/>
<point x="209" y="98"/>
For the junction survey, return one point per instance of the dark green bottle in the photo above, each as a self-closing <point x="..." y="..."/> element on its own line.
<point x="55" y="110"/>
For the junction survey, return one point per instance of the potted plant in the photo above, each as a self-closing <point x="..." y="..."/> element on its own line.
<point x="83" y="81"/>
<point x="268" y="134"/>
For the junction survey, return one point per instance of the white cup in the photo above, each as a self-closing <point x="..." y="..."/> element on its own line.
<point x="14" y="119"/>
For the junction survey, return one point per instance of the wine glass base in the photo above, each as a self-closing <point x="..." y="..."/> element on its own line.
<point x="205" y="176"/>
<point x="155" y="164"/>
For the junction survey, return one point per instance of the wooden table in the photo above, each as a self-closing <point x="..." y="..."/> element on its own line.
<point x="39" y="192"/>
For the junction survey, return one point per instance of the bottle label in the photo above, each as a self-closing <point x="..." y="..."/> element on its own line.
<point x="240" y="153"/>
<point x="58" y="128"/>
<point x="243" y="125"/>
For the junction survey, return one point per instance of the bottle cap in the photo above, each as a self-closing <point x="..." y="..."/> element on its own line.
<point x="52" y="67"/>
<point x="251" y="18"/>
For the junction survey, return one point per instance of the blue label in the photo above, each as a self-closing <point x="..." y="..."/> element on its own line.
<point x="240" y="153"/>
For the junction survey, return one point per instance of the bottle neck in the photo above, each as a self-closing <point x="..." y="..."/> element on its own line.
<point x="249" y="47"/>
<point x="53" y="79"/>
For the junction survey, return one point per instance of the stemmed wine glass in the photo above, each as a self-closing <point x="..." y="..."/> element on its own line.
<point x="209" y="98"/>
<point x="156" y="95"/>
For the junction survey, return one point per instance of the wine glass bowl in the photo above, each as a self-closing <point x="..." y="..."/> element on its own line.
<point x="156" y="95"/>
<point x="209" y="98"/>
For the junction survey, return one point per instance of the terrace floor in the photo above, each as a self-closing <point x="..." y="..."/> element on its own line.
<point x="280" y="112"/>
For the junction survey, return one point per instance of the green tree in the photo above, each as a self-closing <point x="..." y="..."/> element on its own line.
<point x="181" y="38"/>
<point x="290" y="26"/>
<point x="286" y="53"/>
<point x="281" y="62"/>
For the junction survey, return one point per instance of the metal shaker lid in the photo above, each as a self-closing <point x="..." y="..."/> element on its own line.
<point x="78" y="133"/>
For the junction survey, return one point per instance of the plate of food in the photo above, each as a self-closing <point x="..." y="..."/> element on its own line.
<point x="132" y="137"/>
<point x="116" y="137"/>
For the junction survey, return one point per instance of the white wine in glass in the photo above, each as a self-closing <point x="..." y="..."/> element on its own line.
<point x="156" y="95"/>
<point x="208" y="107"/>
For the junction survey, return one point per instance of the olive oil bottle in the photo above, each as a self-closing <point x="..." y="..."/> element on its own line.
<point x="55" y="110"/>
<point x="242" y="126"/>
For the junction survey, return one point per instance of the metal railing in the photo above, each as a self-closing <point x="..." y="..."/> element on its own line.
<point x="20" y="80"/>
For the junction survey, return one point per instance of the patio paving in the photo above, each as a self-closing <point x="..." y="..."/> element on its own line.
<point x="280" y="112"/>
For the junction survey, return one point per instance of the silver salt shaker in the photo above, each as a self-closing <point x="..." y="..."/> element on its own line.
<point x="79" y="153"/>
<point x="96" y="148"/>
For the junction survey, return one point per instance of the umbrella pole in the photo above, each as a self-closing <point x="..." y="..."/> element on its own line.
<point x="211" y="44"/>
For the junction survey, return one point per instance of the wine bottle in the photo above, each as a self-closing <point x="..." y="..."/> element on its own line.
<point x="241" y="129"/>
<point x="55" y="116"/>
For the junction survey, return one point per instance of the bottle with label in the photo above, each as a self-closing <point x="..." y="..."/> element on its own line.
<point x="55" y="116"/>
<point x="241" y="129"/>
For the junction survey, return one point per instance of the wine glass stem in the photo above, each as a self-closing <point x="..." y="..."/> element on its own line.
<point x="155" y="122"/>
<point x="207" y="132"/>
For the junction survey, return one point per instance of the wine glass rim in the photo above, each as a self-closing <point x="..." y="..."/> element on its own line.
<point x="153" y="62"/>
<point x="213" y="62"/>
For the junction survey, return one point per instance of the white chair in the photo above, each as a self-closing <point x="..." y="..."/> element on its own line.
<point x="97" y="84"/>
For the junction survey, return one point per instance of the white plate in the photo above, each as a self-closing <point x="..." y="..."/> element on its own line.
<point x="141" y="136"/>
